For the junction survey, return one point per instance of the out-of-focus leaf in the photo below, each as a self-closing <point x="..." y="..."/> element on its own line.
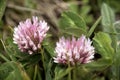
<point x="1" y="46"/>
<point x="30" y="71"/>
<point x="74" y="31"/>
<point x="30" y="4"/>
<point x="108" y="18"/>
<point x="85" y="10"/>
<point x="30" y="59"/>
<point x="5" y="70"/>
<point x="70" y="19"/>
<point x="2" y="7"/>
<point x="99" y="78"/>
<point x="18" y="73"/>
<point x="115" y="69"/>
<point x="12" y="71"/>
<point x="48" y="72"/>
<point x="4" y="58"/>
<point x="49" y="49"/>
<point x="73" y="7"/>
<point x="113" y="3"/>
<point x="117" y="27"/>
<point x="8" y="50"/>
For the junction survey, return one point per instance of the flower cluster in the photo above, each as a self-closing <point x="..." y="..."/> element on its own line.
<point x="74" y="51"/>
<point x="29" y="34"/>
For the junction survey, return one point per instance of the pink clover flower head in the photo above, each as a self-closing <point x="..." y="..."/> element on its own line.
<point x="74" y="51"/>
<point x="28" y="35"/>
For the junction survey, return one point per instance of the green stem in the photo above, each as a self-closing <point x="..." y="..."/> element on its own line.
<point x="93" y="27"/>
<point x="55" y="77"/>
<point x="35" y="73"/>
<point x="74" y="73"/>
<point x="3" y="57"/>
<point x="69" y="74"/>
<point x="43" y="59"/>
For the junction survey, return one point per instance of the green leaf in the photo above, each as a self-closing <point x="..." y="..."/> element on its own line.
<point x="48" y="72"/>
<point x="85" y="10"/>
<point x="70" y="19"/>
<point x="117" y="27"/>
<point x="49" y="49"/>
<point x="73" y="7"/>
<point x="74" y="31"/>
<point x="108" y="18"/>
<point x="9" y="52"/>
<point x="5" y="70"/>
<point x="102" y="44"/>
<point x="115" y="69"/>
<point x="99" y="65"/>
<point x="30" y="70"/>
<point x="2" y="7"/>
<point x="30" y="59"/>
<point x="12" y="71"/>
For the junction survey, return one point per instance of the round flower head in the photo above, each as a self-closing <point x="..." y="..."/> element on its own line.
<point x="29" y="34"/>
<point x="74" y="51"/>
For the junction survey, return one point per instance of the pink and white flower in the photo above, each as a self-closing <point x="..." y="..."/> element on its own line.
<point x="28" y="35"/>
<point x="74" y="51"/>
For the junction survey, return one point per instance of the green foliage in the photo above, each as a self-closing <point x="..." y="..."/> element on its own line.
<point x="83" y="10"/>
<point x="30" y="3"/>
<point x="73" y="20"/>
<point x="113" y="3"/>
<point x="117" y="28"/>
<point x="2" y="7"/>
<point x="61" y="72"/>
<point x="100" y="41"/>
<point x="115" y="70"/>
<point x="12" y="71"/>
<point x="72" y="24"/>
<point x="108" y="18"/>
<point x="93" y="27"/>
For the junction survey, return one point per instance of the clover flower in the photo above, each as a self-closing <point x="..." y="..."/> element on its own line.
<point x="74" y="51"/>
<point x="28" y="35"/>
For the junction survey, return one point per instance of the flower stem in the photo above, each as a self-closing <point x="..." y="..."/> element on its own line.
<point x="69" y="74"/>
<point x="43" y="60"/>
<point x="74" y="73"/>
<point x="35" y="73"/>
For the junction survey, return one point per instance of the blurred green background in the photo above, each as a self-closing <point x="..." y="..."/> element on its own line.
<point x="50" y="10"/>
